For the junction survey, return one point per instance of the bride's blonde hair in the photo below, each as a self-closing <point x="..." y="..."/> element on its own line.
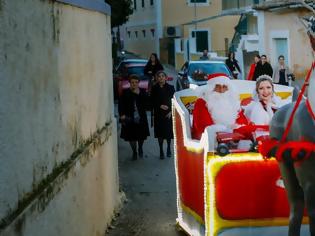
<point x="263" y="78"/>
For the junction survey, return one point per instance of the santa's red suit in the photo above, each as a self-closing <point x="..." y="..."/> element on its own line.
<point x="215" y="108"/>
<point x="202" y="118"/>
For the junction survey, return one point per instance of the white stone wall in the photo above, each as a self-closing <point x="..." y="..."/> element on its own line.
<point x="287" y="25"/>
<point x="57" y="176"/>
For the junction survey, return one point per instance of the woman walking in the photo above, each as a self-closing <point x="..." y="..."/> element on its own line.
<point x="253" y="67"/>
<point x="133" y="117"/>
<point x="281" y="72"/>
<point x="232" y="63"/>
<point x="161" y="97"/>
<point x="153" y="65"/>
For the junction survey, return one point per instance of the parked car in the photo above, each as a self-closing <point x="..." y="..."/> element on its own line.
<point x="118" y="69"/>
<point x="126" y="68"/>
<point x="137" y="69"/>
<point x="196" y="72"/>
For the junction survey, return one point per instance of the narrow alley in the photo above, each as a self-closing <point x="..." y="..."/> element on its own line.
<point x="149" y="185"/>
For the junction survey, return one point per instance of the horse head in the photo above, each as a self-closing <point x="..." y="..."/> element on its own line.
<point x="309" y="23"/>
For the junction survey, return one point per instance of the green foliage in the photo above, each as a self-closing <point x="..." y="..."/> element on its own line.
<point x="121" y="9"/>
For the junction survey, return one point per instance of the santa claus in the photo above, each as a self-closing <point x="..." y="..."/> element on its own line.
<point x="217" y="108"/>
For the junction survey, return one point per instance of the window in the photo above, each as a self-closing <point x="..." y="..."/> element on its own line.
<point x="237" y="4"/>
<point x="143" y="32"/>
<point x="201" y="40"/>
<point x="151" y="2"/>
<point x="136" y="34"/>
<point x="193" y="3"/>
<point x="135" y="4"/>
<point x="142" y="3"/>
<point x="198" y="1"/>
<point x="152" y="32"/>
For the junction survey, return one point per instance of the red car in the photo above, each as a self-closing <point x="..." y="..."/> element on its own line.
<point x="122" y="79"/>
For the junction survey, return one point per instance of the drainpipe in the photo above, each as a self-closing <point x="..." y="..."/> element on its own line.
<point x="159" y="23"/>
<point x="261" y="31"/>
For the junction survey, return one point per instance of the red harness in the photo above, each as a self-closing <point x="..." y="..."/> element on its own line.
<point x="309" y="108"/>
<point x="297" y="147"/>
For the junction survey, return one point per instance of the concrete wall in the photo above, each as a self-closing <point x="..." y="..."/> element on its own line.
<point x="141" y="45"/>
<point x="58" y="137"/>
<point x="141" y="19"/>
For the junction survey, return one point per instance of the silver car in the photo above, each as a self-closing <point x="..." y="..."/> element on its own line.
<point x="196" y="72"/>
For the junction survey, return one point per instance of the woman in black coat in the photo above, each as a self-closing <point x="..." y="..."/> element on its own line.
<point x="133" y="117"/>
<point x="153" y="65"/>
<point x="232" y="63"/>
<point x="161" y="98"/>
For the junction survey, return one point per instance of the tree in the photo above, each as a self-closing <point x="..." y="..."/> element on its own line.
<point x="121" y="10"/>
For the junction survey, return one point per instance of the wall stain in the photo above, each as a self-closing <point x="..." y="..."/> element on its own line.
<point x="28" y="47"/>
<point x="45" y="191"/>
<point x="1" y="5"/>
<point x="55" y="17"/>
<point x="19" y="226"/>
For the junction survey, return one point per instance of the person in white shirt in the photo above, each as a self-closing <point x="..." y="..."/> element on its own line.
<point x="262" y="109"/>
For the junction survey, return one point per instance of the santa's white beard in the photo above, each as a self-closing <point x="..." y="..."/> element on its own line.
<point x="223" y="107"/>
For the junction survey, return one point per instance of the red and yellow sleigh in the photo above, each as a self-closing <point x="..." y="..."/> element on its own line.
<point x="237" y="194"/>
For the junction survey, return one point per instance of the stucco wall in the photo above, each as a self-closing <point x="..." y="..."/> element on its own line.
<point x="141" y="19"/>
<point x="58" y="138"/>
<point x="141" y="45"/>
<point x="220" y="28"/>
<point x="299" y="49"/>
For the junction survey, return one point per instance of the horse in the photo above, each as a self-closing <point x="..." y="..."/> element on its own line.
<point x="292" y="142"/>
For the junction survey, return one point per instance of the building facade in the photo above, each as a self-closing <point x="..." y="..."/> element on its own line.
<point x="272" y="28"/>
<point x="178" y="30"/>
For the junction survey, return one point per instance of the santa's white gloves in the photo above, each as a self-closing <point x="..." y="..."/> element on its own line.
<point x="210" y="135"/>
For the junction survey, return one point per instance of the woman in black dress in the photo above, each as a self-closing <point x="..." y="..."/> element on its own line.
<point x="133" y="117"/>
<point x="232" y="63"/>
<point x="161" y="97"/>
<point x="153" y="65"/>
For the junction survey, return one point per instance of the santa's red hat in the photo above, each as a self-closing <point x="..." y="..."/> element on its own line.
<point x="218" y="78"/>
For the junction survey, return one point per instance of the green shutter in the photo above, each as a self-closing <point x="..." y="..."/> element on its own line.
<point x="201" y="41"/>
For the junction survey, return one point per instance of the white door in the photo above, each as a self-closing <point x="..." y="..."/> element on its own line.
<point x="281" y="48"/>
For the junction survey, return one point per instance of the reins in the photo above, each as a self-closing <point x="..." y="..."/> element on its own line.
<point x="298" y="101"/>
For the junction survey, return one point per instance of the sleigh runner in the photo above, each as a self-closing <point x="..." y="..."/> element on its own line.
<point x="236" y="194"/>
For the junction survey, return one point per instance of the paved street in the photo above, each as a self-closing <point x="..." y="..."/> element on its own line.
<point x="150" y="188"/>
<point x="149" y="185"/>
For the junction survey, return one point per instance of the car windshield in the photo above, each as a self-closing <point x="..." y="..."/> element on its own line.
<point x="137" y="70"/>
<point x="199" y="71"/>
<point x="124" y="63"/>
<point x="132" y="62"/>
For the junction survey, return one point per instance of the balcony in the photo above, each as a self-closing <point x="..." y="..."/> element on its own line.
<point x="239" y="4"/>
